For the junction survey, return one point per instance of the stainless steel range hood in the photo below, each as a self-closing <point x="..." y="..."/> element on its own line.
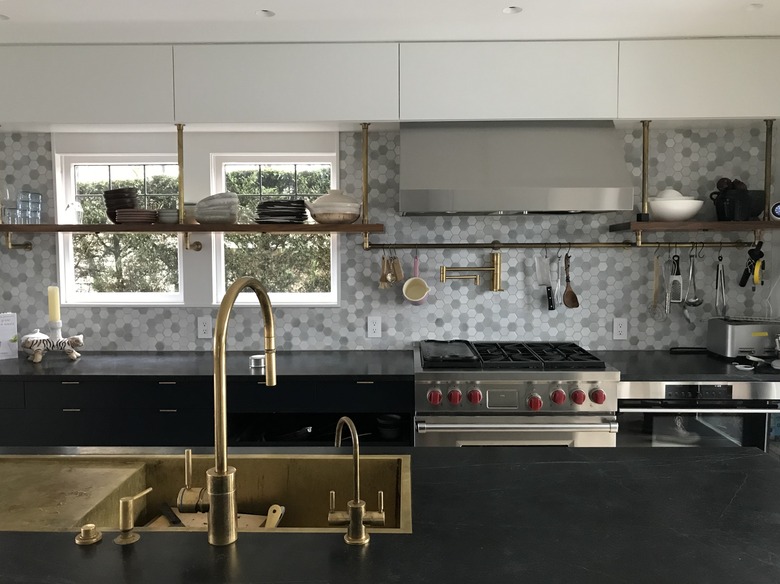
<point x="511" y="168"/>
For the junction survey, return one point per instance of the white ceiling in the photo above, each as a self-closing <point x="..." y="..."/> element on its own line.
<point x="185" y="21"/>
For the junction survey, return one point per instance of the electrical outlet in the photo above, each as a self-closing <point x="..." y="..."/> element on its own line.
<point x="374" y="327"/>
<point x="204" y="327"/>
<point x="619" y="329"/>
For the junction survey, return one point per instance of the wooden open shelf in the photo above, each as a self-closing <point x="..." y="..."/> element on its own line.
<point x="197" y="228"/>
<point x="659" y="226"/>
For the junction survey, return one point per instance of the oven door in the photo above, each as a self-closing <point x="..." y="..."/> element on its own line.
<point x="435" y="430"/>
<point x="681" y="423"/>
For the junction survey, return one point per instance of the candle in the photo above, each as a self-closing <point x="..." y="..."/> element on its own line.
<point x="54" y="304"/>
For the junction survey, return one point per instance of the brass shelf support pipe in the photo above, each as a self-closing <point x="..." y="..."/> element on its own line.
<point x="221" y="480"/>
<point x="364" y="126"/>
<point x="188" y="245"/>
<point x="768" y="170"/>
<point x="495" y="268"/>
<point x="27" y="245"/>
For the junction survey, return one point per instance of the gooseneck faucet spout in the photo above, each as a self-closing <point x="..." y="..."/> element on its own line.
<point x="221" y="480"/>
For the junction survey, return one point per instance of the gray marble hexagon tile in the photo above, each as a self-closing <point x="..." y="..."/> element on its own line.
<point x="609" y="282"/>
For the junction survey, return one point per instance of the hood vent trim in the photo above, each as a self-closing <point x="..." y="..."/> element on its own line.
<point x="513" y="168"/>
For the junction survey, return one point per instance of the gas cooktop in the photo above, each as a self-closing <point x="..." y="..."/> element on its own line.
<point x="547" y="356"/>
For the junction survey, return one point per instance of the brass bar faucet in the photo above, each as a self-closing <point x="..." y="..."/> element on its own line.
<point x="357" y="517"/>
<point x="494" y="268"/>
<point x="221" y="480"/>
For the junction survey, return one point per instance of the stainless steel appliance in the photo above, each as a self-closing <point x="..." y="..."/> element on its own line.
<point x="731" y="337"/>
<point x="702" y="414"/>
<point x="512" y="394"/>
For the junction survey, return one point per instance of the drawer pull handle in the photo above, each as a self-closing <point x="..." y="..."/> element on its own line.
<point x="166" y="383"/>
<point x="71" y="409"/>
<point x="365" y="382"/>
<point x="70" y="382"/>
<point x="168" y="411"/>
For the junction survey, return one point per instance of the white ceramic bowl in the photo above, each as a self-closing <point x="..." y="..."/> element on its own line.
<point x="670" y="194"/>
<point x="674" y="209"/>
<point x="334" y="217"/>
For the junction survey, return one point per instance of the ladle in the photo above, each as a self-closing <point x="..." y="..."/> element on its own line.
<point x="569" y="297"/>
<point x="692" y="300"/>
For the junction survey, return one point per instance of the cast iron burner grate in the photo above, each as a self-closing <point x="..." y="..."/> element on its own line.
<point x="507" y="356"/>
<point x="565" y="356"/>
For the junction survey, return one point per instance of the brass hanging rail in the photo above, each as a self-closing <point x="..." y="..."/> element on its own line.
<point x="27" y="245"/>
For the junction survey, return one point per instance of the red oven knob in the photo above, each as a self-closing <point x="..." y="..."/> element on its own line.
<point x="435" y="397"/>
<point x="454" y="396"/>
<point x="578" y="397"/>
<point x="535" y="402"/>
<point x="474" y="396"/>
<point x="558" y="397"/>
<point x="598" y="396"/>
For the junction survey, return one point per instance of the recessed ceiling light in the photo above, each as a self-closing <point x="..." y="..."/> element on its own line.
<point x="266" y="13"/>
<point x="512" y="10"/>
<point x="755" y="6"/>
<point x="4" y="17"/>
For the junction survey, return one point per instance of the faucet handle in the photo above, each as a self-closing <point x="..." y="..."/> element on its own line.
<point x="376" y="518"/>
<point x="127" y="519"/>
<point x="187" y="468"/>
<point x="336" y="517"/>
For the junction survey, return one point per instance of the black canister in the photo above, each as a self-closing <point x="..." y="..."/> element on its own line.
<point x="731" y="205"/>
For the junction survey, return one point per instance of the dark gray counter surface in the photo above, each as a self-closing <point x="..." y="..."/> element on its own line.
<point x="495" y="515"/>
<point x="663" y="366"/>
<point x="200" y="364"/>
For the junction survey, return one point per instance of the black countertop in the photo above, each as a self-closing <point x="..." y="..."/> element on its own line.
<point x="665" y="366"/>
<point x="289" y="364"/>
<point x="633" y="365"/>
<point x="496" y="515"/>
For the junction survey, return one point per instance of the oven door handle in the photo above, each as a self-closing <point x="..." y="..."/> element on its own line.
<point x="698" y="410"/>
<point x="427" y="427"/>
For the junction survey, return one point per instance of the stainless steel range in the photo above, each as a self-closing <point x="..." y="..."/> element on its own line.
<point x="512" y="394"/>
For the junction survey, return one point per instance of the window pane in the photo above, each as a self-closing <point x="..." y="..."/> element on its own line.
<point x="113" y="262"/>
<point x="284" y="263"/>
<point x="119" y="262"/>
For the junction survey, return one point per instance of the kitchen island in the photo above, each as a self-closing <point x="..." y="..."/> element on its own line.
<point x="487" y="515"/>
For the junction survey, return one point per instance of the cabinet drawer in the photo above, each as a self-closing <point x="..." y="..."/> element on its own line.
<point x="133" y="395"/>
<point x="336" y="396"/>
<point x="12" y="395"/>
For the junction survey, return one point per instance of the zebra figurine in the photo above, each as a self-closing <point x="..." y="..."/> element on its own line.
<point x="36" y="344"/>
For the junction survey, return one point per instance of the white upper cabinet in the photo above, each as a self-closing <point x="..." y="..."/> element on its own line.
<point x="509" y="80"/>
<point x="286" y="82"/>
<point x="718" y="78"/>
<point x="86" y="84"/>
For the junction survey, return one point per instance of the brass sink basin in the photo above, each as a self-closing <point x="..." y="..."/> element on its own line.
<point x="53" y="493"/>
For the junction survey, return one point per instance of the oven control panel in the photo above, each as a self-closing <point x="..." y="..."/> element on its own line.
<point x="518" y="397"/>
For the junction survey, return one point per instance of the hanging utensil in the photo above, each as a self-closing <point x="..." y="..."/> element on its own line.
<point x="754" y="254"/>
<point x="557" y="271"/>
<point x="569" y="297"/>
<point x="720" y="288"/>
<point x="543" y="278"/>
<point x="668" y="272"/>
<point x="657" y="310"/>
<point x="383" y="269"/>
<point x="676" y="281"/>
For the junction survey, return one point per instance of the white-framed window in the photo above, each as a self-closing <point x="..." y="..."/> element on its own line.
<point x="117" y="268"/>
<point x="296" y="269"/>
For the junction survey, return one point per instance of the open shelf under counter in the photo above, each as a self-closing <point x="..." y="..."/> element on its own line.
<point x="694" y="226"/>
<point x="284" y="228"/>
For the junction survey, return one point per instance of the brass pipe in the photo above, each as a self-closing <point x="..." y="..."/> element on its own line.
<point x="27" y="245"/>
<point x="180" y="158"/>
<point x="645" y="161"/>
<point x="355" y="453"/>
<point x="220" y="480"/>
<point x="768" y="170"/>
<point x="496" y="272"/>
<point x="364" y="125"/>
<point x="552" y="245"/>
<point x="191" y="245"/>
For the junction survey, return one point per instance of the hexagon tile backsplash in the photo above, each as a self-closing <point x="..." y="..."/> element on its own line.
<point x="609" y="282"/>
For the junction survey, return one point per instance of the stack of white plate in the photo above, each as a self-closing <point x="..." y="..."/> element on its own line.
<point x="168" y="215"/>
<point x="219" y="208"/>
<point x="136" y="216"/>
